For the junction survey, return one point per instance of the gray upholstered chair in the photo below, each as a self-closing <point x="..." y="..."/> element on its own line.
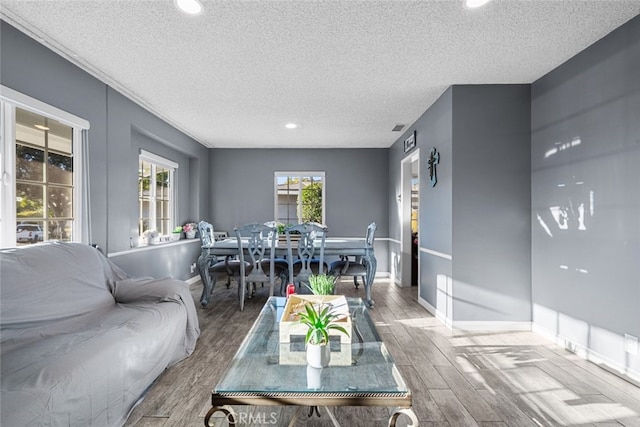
<point x="257" y="259"/>
<point x="306" y="253"/>
<point x="355" y="268"/>
<point x="228" y="268"/>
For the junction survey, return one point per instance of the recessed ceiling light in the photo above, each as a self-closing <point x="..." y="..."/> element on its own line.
<point x="40" y="127"/>
<point x="192" y="7"/>
<point x="291" y="126"/>
<point x="472" y="4"/>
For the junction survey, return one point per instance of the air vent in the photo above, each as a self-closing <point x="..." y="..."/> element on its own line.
<point x="398" y="128"/>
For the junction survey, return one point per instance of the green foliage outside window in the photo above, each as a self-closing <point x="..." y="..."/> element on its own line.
<point x="312" y="203"/>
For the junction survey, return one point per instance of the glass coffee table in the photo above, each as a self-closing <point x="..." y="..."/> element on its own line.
<point x="266" y="372"/>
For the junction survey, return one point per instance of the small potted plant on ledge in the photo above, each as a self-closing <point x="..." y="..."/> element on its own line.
<point x="319" y="321"/>
<point x="177" y="232"/>
<point x="190" y="230"/>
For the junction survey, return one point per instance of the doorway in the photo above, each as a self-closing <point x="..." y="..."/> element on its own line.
<point x="410" y="261"/>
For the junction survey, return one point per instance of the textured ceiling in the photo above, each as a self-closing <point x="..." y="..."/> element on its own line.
<point x="346" y="71"/>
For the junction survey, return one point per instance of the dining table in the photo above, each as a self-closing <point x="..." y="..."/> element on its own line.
<point x="334" y="247"/>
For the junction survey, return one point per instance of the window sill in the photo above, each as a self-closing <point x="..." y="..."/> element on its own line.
<point x="147" y="247"/>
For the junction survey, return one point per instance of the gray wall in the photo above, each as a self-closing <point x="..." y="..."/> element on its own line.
<point x="433" y="129"/>
<point x="119" y="128"/>
<point x="28" y="67"/>
<point x="491" y="246"/>
<point x="356" y="188"/>
<point x="474" y="224"/>
<point x="584" y="158"/>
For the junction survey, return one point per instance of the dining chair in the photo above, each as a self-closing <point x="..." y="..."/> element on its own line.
<point x="230" y="267"/>
<point x="301" y="252"/>
<point x="281" y="264"/>
<point x="256" y="249"/>
<point x="356" y="268"/>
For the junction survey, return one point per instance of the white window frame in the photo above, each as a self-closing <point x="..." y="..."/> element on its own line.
<point x="299" y="174"/>
<point x="9" y="100"/>
<point x="172" y="166"/>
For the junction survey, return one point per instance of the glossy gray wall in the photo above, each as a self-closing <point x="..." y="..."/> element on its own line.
<point x="119" y="128"/>
<point x="586" y="199"/>
<point x="242" y="183"/>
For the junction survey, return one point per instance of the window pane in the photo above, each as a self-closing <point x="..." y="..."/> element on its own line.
<point x="163" y="226"/>
<point x="162" y="183"/>
<point x="43" y="169"/>
<point x="299" y="198"/>
<point x="30" y="127"/>
<point x="29" y="232"/>
<point x="29" y="201"/>
<point x="144" y="179"/>
<point x="59" y="230"/>
<point x="144" y="216"/>
<point x="144" y="172"/>
<point x="312" y="200"/>
<point x="59" y="202"/>
<point x="60" y="169"/>
<point x="59" y="137"/>
<point x="29" y="163"/>
<point x="155" y="197"/>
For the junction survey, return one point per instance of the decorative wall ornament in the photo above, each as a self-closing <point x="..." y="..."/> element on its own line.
<point x="410" y="142"/>
<point x="432" y="161"/>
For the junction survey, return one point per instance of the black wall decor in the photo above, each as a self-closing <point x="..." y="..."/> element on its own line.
<point x="432" y="161"/>
<point x="410" y="142"/>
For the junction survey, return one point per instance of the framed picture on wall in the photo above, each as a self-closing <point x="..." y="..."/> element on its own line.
<point x="410" y="142"/>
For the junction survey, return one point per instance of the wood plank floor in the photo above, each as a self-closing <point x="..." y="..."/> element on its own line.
<point x="458" y="378"/>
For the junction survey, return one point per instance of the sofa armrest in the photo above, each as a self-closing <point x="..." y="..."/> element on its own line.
<point x="146" y="289"/>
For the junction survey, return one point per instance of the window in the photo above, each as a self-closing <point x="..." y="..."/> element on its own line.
<point x="41" y="171"/>
<point x="156" y="182"/>
<point x="299" y="197"/>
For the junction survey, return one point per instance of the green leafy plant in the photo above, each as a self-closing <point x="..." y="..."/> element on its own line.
<point x="321" y="284"/>
<point x="312" y="202"/>
<point x="320" y="320"/>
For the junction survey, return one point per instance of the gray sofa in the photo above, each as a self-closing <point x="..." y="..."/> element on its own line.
<point x="80" y="340"/>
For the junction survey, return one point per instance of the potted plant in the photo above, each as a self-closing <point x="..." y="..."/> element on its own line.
<point x="321" y="284"/>
<point x="189" y="230"/>
<point x="177" y="232"/>
<point x="319" y="321"/>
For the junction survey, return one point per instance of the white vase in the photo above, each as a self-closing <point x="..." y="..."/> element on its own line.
<point x="314" y="378"/>
<point x="318" y="356"/>
<point x="190" y="234"/>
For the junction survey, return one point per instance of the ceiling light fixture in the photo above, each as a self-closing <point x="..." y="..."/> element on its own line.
<point x="473" y="4"/>
<point x="291" y="126"/>
<point x="192" y="7"/>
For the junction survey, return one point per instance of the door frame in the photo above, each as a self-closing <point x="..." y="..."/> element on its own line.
<point x="405" y="220"/>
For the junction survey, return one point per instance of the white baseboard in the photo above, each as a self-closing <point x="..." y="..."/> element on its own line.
<point x="192" y="280"/>
<point x="492" y="326"/>
<point x="581" y="351"/>
<point x="587" y="354"/>
<point x="437" y="314"/>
